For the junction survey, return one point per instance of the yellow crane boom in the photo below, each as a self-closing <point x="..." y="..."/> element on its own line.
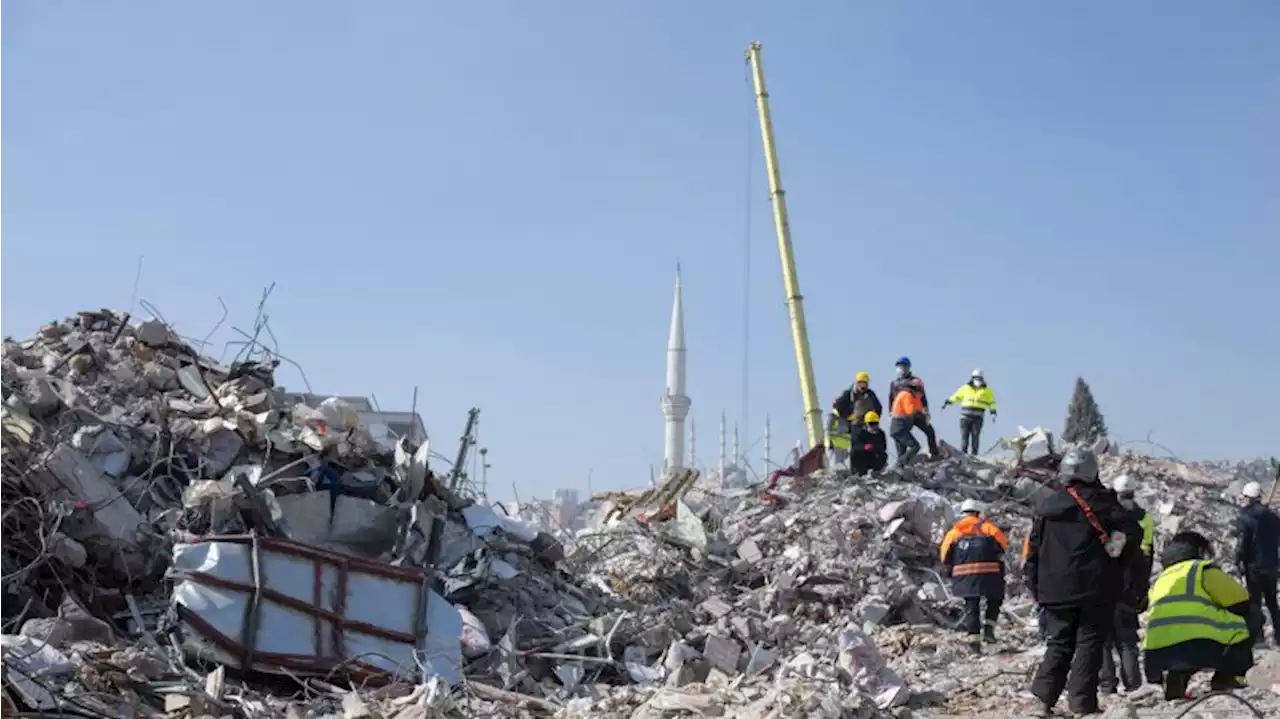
<point x="795" y="301"/>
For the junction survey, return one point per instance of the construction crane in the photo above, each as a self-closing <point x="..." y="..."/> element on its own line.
<point x="795" y="301"/>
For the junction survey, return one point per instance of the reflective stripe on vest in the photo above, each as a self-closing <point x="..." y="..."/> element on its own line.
<point x="1182" y="611"/>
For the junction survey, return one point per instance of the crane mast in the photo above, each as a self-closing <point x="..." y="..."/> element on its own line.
<point x="795" y="301"/>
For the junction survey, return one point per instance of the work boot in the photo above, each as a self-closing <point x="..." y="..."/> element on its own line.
<point x="1043" y="710"/>
<point x="989" y="632"/>
<point x="975" y="645"/>
<point x="1175" y="686"/>
<point x="1225" y="684"/>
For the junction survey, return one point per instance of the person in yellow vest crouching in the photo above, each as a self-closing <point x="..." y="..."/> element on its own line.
<point x="1197" y="620"/>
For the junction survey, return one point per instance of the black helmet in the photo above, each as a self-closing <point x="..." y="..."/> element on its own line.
<point x="1079" y="463"/>
<point x="1184" y="546"/>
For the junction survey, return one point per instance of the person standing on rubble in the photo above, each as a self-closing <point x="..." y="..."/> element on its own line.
<point x="1197" y="621"/>
<point x="1076" y="571"/>
<point x="870" y="452"/>
<point x="1258" y="556"/>
<point x="975" y="399"/>
<point x="910" y="407"/>
<point x="1124" y="637"/>
<point x="848" y="412"/>
<point x="972" y="554"/>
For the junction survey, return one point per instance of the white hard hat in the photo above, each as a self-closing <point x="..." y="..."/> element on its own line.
<point x="1123" y="483"/>
<point x="1252" y="490"/>
<point x="970" y="505"/>
<point x="976" y="373"/>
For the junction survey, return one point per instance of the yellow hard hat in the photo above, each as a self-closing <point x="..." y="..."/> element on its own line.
<point x="871" y="417"/>
<point x="862" y="376"/>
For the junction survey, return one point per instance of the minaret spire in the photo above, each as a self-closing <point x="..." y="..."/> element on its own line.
<point x="675" y="403"/>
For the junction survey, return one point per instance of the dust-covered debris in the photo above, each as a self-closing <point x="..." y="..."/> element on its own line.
<point x="182" y="538"/>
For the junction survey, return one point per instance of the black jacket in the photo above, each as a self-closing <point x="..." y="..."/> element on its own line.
<point x="1258" y="530"/>
<point x="863" y="437"/>
<point x="856" y="404"/>
<point x="1066" y="562"/>
<point x="1139" y="565"/>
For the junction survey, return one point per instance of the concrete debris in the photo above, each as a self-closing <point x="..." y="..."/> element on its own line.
<point x="169" y="517"/>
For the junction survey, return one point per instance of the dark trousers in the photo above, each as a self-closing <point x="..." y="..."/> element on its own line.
<point x="970" y="431"/>
<point x="921" y="421"/>
<point x="862" y="462"/>
<point x="1124" y="640"/>
<point x="1077" y="636"/>
<point x="974" y="617"/>
<point x="907" y="445"/>
<point x="1262" y="590"/>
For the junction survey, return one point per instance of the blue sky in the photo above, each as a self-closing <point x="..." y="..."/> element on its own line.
<point x="487" y="200"/>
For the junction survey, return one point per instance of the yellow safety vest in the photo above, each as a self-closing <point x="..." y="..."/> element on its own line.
<point x="838" y="434"/>
<point x="971" y="398"/>
<point x="1148" y="533"/>
<point x="1182" y="611"/>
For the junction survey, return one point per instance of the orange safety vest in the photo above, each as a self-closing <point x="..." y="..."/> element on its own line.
<point x="906" y="404"/>
<point x="974" y="557"/>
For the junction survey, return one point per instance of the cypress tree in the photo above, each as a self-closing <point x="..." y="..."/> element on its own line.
<point x="1084" y="419"/>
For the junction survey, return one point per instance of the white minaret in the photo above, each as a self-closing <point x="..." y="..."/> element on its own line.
<point x="675" y="404"/>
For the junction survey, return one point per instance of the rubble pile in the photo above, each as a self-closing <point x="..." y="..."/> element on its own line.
<point x="828" y="602"/>
<point x="183" y="538"/>
<point x="167" y="517"/>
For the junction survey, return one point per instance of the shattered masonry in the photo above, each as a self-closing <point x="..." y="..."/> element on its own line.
<point x="182" y="540"/>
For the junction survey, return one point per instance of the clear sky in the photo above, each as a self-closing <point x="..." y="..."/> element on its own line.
<point x="488" y="199"/>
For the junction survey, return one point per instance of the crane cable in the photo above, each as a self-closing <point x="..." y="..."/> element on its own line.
<point x="746" y="258"/>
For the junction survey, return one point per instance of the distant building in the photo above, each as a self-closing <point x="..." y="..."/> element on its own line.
<point x="385" y="427"/>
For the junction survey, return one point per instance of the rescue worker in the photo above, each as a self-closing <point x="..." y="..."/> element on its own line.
<point x="1076" y="571"/>
<point x="910" y="407"/>
<point x="1124" y="637"/>
<point x="1197" y="620"/>
<point x="1258" y="556"/>
<point x="870" y="452"/>
<point x="975" y="399"/>
<point x="972" y="554"/>
<point x="847" y="413"/>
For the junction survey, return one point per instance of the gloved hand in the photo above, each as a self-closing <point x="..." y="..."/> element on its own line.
<point x="993" y="416"/>
<point x="946" y="404"/>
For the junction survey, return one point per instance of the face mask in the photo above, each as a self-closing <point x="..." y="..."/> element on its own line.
<point x="902" y="371"/>
<point x="977" y="382"/>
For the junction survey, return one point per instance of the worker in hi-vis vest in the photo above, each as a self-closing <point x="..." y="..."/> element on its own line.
<point x="975" y="399"/>
<point x="1197" y="620"/>
<point x="848" y="411"/>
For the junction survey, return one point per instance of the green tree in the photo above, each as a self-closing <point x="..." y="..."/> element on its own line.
<point x="1084" y="419"/>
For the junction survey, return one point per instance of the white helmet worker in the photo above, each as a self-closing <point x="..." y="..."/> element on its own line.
<point x="977" y="373"/>
<point x="971" y="505"/>
<point x="1252" y="490"/>
<point x="1123" y="483"/>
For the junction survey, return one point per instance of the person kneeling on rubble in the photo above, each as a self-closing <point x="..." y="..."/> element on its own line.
<point x="1198" y="620"/>
<point x="870" y="450"/>
<point x="972" y="554"/>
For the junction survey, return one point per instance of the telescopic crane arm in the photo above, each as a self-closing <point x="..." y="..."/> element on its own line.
<point x="795" y="301"/>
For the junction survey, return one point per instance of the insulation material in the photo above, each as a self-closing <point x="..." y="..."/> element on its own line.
<point x="268" y="603"/>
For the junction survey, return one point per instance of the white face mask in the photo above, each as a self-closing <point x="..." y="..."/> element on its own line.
<point x="902" y="371"/>
<point x="978" y="382"/>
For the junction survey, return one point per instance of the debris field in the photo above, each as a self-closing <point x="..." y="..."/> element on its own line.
<point x="183" y="539"/>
